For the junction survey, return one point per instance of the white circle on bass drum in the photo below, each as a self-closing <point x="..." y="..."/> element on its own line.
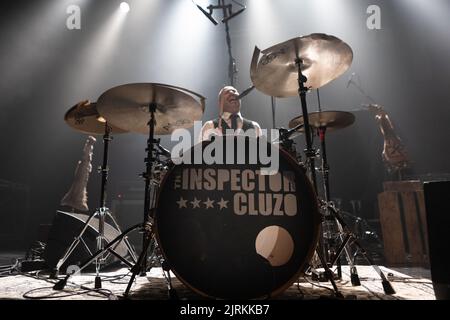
<point x="275" y="244"/>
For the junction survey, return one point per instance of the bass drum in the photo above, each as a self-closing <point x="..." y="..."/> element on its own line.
<point x="228" y="231"/>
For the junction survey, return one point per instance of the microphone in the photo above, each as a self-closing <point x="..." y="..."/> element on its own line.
<point x="245" y="92"/>
<point x="350" y="79"/>
<point x="233" y="15"/>
<point x="207" y="14"/>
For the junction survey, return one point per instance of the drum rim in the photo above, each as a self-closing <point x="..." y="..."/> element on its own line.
<point x="316" y="231"/>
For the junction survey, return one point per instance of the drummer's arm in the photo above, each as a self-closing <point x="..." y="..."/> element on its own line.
<point x="258" y="130"/>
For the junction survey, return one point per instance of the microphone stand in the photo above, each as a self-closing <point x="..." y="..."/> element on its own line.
<point x="358" y="86"/>
<point x="228" y="14"/>
<point x="232" y="68"/>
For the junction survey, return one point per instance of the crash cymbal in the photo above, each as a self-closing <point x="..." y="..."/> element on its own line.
<point x="85" y="118"/>
<point x="332" y="120"/>
<point x="127" y="107"/>
<point x="324" y="59"/>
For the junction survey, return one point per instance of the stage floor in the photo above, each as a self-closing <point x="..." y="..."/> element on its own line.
<point x="153" y="287"/>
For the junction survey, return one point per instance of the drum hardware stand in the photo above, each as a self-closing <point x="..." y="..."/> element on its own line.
<point x="361" y="228"/>
<point x="286" y="143"/>
<point x="351" y="237"/>
<point x="329" y="220"/>
<point x="62" y="283"/>
<point x="147" y="175"/>
<point x="148" y="235"/>
<point x="102" y="212"/>
<point x="327" y="233"/>
<point x="309" y="151"/>
<point x="310" y="154"/>
<point x="274" y="106"/>
<point x="332" y="216"/>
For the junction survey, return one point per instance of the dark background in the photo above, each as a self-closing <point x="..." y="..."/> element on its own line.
<point x="46" y="68"/>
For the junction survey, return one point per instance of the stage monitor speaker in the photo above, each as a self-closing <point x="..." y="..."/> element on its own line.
<point x="437" y="204"/>
<point x="65" y="228"/>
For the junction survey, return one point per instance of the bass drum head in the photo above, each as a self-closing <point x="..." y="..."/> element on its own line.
<point x="229" y="232"/>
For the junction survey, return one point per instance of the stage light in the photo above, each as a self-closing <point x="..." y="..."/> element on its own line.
<point x="124" y="7"/>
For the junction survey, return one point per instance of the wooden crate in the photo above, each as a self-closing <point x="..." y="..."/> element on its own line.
<point x="403" y="223"/>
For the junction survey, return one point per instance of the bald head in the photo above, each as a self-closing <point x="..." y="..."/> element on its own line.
<point x="228" y="101"/>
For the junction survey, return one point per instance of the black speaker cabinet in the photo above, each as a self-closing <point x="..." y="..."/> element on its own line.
<point x="65" y="228"/>
<point x="437" y="195"/>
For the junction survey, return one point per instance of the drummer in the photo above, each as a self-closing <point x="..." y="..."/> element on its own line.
<point x="229" y="117"/>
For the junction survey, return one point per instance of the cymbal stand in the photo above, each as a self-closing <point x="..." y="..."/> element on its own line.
<point x="284" y="139"/>
<point x="62" y="283"/>
<point x="331" y="221"/>
<point x="148" y="235"/>
<point x="351" y="238"/>
<point x="102" y="212"/>
<point x="309" y="151"/>
<point x="310" y="154"/>
<point x="334" y="216"/>
<point x="328" y="235"/>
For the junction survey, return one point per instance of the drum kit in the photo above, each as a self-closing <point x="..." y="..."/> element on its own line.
<point x="228" y="231"/>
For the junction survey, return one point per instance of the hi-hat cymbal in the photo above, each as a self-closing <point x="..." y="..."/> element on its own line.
<point x="324" y="58"/>
<point x="85" y="118"/>
<point x="332" y="120"/>
<point x="127" y="107"/>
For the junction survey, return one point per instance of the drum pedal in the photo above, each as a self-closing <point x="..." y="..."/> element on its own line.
<point x="98" y="282"/>
<point x="354" y="277"/>
<point x="173" y="295"/>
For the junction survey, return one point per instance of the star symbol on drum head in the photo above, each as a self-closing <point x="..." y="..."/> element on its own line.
<point x="209" y="203"/>
<point x="195" y="203"/>
<point x="223" y="204"/>
<point x="182" y="203"/>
